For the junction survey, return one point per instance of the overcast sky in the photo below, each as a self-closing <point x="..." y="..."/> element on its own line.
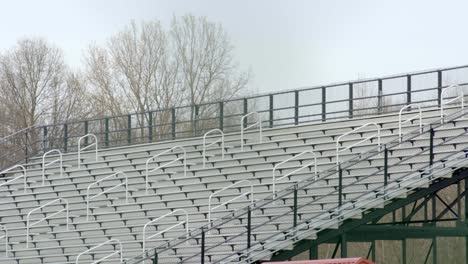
<point x="286" y="44"/>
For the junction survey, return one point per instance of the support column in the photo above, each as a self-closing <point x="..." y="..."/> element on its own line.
<point x="403" y="251"/>
<point x="344" y="249"/>
<point x="313" y="251"/>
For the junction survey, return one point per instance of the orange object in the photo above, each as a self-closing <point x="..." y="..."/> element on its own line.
<point x="326" y="261"/>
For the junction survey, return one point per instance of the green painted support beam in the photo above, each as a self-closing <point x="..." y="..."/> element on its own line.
<point x="381" y="232"/>
<point x="326" y="236"/>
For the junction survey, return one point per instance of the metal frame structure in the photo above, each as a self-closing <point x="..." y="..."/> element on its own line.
<point x="120" y="130"/>
<point x="274" y="180"/>
<point x="28" y="225"/>
<point x="431" y="173"/>
<point x="205" y="146"/>
<point x="186" y="222"/>
<point x="400" y="122"/>
<point x="244" y="126"/>
<point x="115" y="241"/>
<point x="44" y="164"/>
<point x="147" y="171"/>
<point x="377" y="135"/>
<point x="9" y="170"/>
<point x="461" y="97"/>
<point x="80" y="149"/>
<point x="106" y="191"/>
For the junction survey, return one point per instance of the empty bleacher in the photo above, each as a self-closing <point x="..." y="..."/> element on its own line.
<point x="119" y="197"/>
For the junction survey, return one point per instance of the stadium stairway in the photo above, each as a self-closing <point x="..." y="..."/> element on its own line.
<point x="159" y="194"/>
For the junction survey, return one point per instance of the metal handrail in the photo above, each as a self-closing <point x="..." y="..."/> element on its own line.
<point x="461" y="97"/>
<point x="186" y="222"/>
<point x="212" y="143"/>
<point x="106" y="257"/>
<point x="44" y="165"/>
<point x="95" y="144"/>
<point x="259" y="123"/>
<point x="400" y="123"/>
<point x="28" y="225"/>
<point x="6" y="239"/>
<point x="292" y="172"/>
<point x="233" y="199"/>
<point x="184" y="158"/>
<point x="354" y="131"/>
<point x="105" y="191"/>
<point x="17" y="132"/>
<point x="17" y="177"/>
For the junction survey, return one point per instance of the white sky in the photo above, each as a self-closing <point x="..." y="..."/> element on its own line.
<point x="287" y="44"/>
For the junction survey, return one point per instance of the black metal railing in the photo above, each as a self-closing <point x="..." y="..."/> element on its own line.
<point x="292" y="107"/>
<point x="301" y="202"/>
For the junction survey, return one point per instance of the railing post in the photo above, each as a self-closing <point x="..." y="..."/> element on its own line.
<point x="408" y="89"/>
<point x="26" y="140"/>
<point x="150" y="126"/>
<point x="324" y="103"/>
<point x="439" y="88"/>
<point x="246" y="110"/>
<point x="129" y="129"/>
<point x="44" y="139"/>
<point x="196" y="120"/>
<point x="340" y="186"/>
<point x="106" y="131"/>
<point x="221" y="115"/>
<point x="173" y="123"/>
<point x="271" y="110"/>
<point x="351" y="100"/>
<point x="249" y="227"/>
<point x="295" y="207"/>
<point x="380" y="96"/>
<point x="296" y="107"/>
<point x="155" y="259"/>
<point x="385" y="165"/>
<point x="86" y="132"/>
<point x="431" y="146"/>
<point x="65" y="137"/>
<point x="202" y="245"/>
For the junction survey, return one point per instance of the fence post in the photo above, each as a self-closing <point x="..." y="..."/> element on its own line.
<point x="26" y="140"/>
<point x="295" y="207"/>
<point x="155" y="259"/>
<point x="431" y="146"/>
<point x="65" y="137"/>
<point x="249" y="227"/>
<point x="202" y="245"/>
<point x="380" y="96"/>
<point x="86" y="132"/>
<point x="106" y="132"/>
<point x="408" y="89"/>
<point x="340" y="186"/>
<point x="221" y="115"/>
<point x="44" y="139"/>
<point x="439" y="87"/>
<point x="246" y="109"/>
<point x="173" y="123"/>
<point x="385" y="165"/>
<point x="129" y="129"/>
<point x="351" y="100"/>
<point x="296" y="107"/>
<point x="271" y="110"/>
<point x="196" y="120"/>
<point x="324" y="103"/>
<point x="150" y="126"/>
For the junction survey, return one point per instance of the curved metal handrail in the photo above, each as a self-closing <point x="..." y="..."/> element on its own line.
<point x="106" y="257"/>
<point x="60" y="159"/>
<point x="400" y="123"/>
<point x="212" y="143"/>
<point x="259" y="123"/>
<point x="167" y="229"/>
<point x="17" y="177"/>
<point x="165" y="164"/>
<point x="357" y="143"/>
<point x="80" y="149"/>
<point x="461" y="97"/>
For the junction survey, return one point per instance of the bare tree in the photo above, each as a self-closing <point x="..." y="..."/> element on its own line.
<point x="205" y="55"/>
